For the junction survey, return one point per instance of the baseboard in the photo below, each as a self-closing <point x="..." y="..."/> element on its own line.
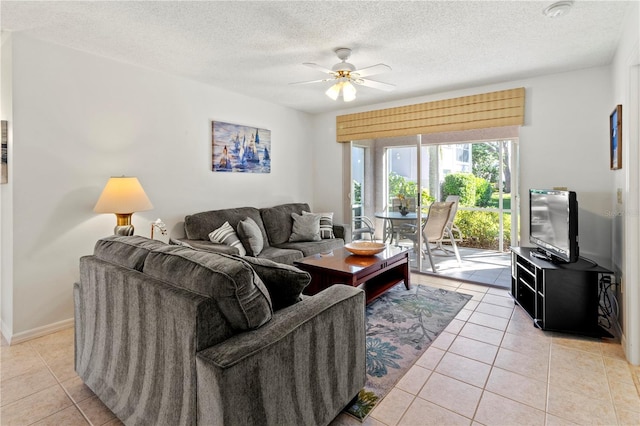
<point x="36" y="332"/>
<point x="6" y="335"/>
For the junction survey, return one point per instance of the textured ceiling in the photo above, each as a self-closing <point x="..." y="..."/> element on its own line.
<point x="257" y="48"/>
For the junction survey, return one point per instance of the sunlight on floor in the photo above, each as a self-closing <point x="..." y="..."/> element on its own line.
<point x="480" y="266"/>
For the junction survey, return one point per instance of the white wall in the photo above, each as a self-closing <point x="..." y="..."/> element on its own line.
<point x="564" y="142"/>
<point x="78" y="119"/>
<point x="6" y="190"/>
<point x="626" y="226"/>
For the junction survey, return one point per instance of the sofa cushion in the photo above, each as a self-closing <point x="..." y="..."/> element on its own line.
<point x="284" y="282"/>
<point x="305" y="228"/>
<point x="251" y="236"/>
<point x="309" y="248"/>
<point x="198" y="226"/>
<point x="227" y="236"/>
<point x="239" y="293"/>
<point x="326" y="224"/>
<point x="281" y="255"/>
<point x="128" y="251"/>
<point x="278" y="222"/>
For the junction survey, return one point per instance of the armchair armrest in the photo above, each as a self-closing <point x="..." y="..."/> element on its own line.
<point x="310" y="358"/>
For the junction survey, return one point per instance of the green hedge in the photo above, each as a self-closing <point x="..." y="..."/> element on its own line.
<point x="473" y="190"/>
<point x="484" y="190"/>
<point x="482" y="229"/>
<point x="462" y="184"/>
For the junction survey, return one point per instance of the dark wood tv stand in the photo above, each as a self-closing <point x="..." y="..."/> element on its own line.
<point x="558" y="297"/>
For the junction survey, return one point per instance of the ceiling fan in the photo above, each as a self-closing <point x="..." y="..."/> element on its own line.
<point x="345" y="75"/>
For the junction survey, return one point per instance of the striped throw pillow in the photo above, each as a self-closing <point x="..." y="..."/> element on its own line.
<point x="226" y="235"/>
<point x="326" y="224"/>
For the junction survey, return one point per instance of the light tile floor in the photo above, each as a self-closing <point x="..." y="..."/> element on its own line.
<point x="39" y="385"/>
<point x="490" y="366"/>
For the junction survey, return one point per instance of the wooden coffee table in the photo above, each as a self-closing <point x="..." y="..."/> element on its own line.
<point x="375" y="274"/>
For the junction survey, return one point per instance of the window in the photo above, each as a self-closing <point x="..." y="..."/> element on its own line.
<point x="463" y="153"/>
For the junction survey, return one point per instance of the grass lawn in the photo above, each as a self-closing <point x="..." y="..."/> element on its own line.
<point x="506" y="201"/>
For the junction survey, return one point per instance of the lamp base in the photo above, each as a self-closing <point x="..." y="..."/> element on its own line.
<point x="126" y="230"/>
<point x="123" y="226"/>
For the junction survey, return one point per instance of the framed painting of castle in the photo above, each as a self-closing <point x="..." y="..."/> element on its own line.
<point x="239" y="148"/>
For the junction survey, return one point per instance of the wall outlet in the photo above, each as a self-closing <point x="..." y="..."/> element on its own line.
<point x="619" y="195"/>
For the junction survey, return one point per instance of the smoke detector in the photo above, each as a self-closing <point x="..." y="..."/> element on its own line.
<point x="558" y="9"/>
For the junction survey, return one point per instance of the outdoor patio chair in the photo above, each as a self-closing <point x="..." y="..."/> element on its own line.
<point x="362" y="225"/>
<point x="435" y="230"/>
<point x="450" y="225"/>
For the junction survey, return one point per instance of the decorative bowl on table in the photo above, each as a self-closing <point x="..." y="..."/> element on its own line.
<point x="365" y="248"/>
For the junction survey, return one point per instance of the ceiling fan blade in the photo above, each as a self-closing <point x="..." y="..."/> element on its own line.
<point x="319" y="68"/>
<point x="373" y="69"/>
<point x="374" y="84"/>
<point x="313" y="81"/>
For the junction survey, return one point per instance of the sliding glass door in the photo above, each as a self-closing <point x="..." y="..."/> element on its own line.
<point x="482" y="174"/>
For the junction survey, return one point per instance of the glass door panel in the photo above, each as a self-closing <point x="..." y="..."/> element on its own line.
<point x="357" y="183"/>
<point x="482" y="174"/>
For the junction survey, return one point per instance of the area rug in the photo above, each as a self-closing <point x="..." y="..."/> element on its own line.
<point x="401" y="324"/>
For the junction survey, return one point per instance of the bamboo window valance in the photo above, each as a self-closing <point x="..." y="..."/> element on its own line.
<point x="495" y="109"/>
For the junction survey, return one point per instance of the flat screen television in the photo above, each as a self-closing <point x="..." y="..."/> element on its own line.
<point x="553" y="224"/>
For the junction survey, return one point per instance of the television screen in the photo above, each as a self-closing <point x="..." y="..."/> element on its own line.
<point x="553" y="223"/>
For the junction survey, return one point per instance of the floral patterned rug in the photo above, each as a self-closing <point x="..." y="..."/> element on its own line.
<point x="401" y="324"/>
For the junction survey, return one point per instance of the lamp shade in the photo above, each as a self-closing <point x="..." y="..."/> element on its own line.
<point x="348" y="91"/>
<point x="122" y="195"/>
<point x="343" y="86"/>
<point x="334" y="91"/>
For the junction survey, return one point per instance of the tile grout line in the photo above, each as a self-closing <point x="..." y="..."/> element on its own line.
<point x="548" y="387"/>
<point x="64" y="389"/>
<point x="457" y="334"/>
<point x="493" y="366"/>
<point x="615" y="407"/>
<point x="57" y="383"/>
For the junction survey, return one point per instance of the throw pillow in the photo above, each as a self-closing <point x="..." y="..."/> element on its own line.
<point x="305" y="227"/>
<point x="284" y="282"/>
<point x="227" y="236"/>
<point x="251" y="236"/>
<point x="326" y="224"/>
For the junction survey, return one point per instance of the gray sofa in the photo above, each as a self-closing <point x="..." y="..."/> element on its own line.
<point x="275" y="225"/>
<point x="168" y="335"/>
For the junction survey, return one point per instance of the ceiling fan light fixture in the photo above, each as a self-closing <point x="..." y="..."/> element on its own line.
<point x="348" y="91"/>
<point x="344" y="75"/>
<point x="334" y="91"/>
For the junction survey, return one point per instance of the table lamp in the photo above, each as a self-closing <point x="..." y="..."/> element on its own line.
<point x="123" y="196"/>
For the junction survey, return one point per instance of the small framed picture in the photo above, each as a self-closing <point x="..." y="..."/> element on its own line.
<point x="615" y="136"/>
<point x="4" y="172"/>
